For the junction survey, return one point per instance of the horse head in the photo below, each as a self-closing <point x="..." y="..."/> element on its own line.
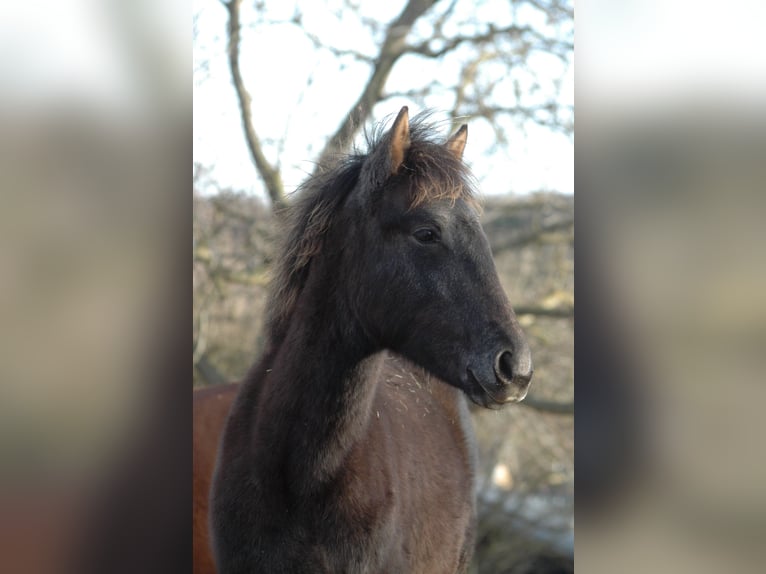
<point x="420" y="278"/>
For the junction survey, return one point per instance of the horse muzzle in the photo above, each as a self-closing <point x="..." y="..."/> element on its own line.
<point x="513" y="373"/>
<point x="506" y="381"/>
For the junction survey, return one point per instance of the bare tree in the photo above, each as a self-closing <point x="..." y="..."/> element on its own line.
<point x="268" y="172"/>
<point x="494" y="68"/>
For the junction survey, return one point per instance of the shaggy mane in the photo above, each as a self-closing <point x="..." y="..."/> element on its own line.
<point x="434" y="174"/>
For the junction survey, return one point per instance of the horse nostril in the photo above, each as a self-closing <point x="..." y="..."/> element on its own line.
<point x="504" y="367"/>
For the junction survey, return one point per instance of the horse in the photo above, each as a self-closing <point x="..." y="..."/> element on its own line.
<point x="349" y="445"/>
<point x="210" y="407"/>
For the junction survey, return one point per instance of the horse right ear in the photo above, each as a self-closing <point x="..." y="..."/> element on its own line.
<point x="399" y="141"/>
<point x="389" y="155"/>
<point x="456" y="144"/>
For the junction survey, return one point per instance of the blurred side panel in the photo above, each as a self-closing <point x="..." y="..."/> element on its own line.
<point x="95" y="216"/>
<point x="671" y="276"/>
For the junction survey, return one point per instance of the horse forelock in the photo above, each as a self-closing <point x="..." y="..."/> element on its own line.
<point x="436" y="174"/>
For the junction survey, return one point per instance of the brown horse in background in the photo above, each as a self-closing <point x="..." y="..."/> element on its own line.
<point x="210" y="407"/>
<point x="349" y="447"/>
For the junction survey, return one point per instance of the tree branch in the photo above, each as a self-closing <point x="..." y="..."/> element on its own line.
<point x="270" y="175"/>
<point x="532" y="235"/>
<point x="210" y="374"/>
<point x="338" y="52"/>
<point x="393" y="48"/>
<point x="558" y="312"/>
<point x="424" y="48"/>
<point x="548" y="406"/>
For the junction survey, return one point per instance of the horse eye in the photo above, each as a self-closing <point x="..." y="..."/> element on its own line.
<point x="426" y="235"/>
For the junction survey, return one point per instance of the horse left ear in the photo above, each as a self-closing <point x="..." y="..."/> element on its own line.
<point x="400" y="140"/>
<point x="456" y="144"/>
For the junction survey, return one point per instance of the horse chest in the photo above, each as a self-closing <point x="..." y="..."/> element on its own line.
<point x="374" y="534"/>
<point x="394" y="509"/>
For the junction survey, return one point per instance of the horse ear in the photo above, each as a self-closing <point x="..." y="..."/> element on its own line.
<point x="456" y="144"/>
<point x="400" y="140"/>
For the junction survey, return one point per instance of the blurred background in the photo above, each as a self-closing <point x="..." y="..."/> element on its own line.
<point x="671" y="475"/>
<point x="281" y="86"/>
<point x="95" y="216"/>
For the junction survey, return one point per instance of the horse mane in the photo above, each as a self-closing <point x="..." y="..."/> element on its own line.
<point x="433" y="171"/>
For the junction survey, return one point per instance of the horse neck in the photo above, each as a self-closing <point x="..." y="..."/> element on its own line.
<point x="319" y="388"/>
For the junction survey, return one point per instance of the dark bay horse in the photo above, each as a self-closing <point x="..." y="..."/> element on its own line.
<point x="349" y="446"/>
